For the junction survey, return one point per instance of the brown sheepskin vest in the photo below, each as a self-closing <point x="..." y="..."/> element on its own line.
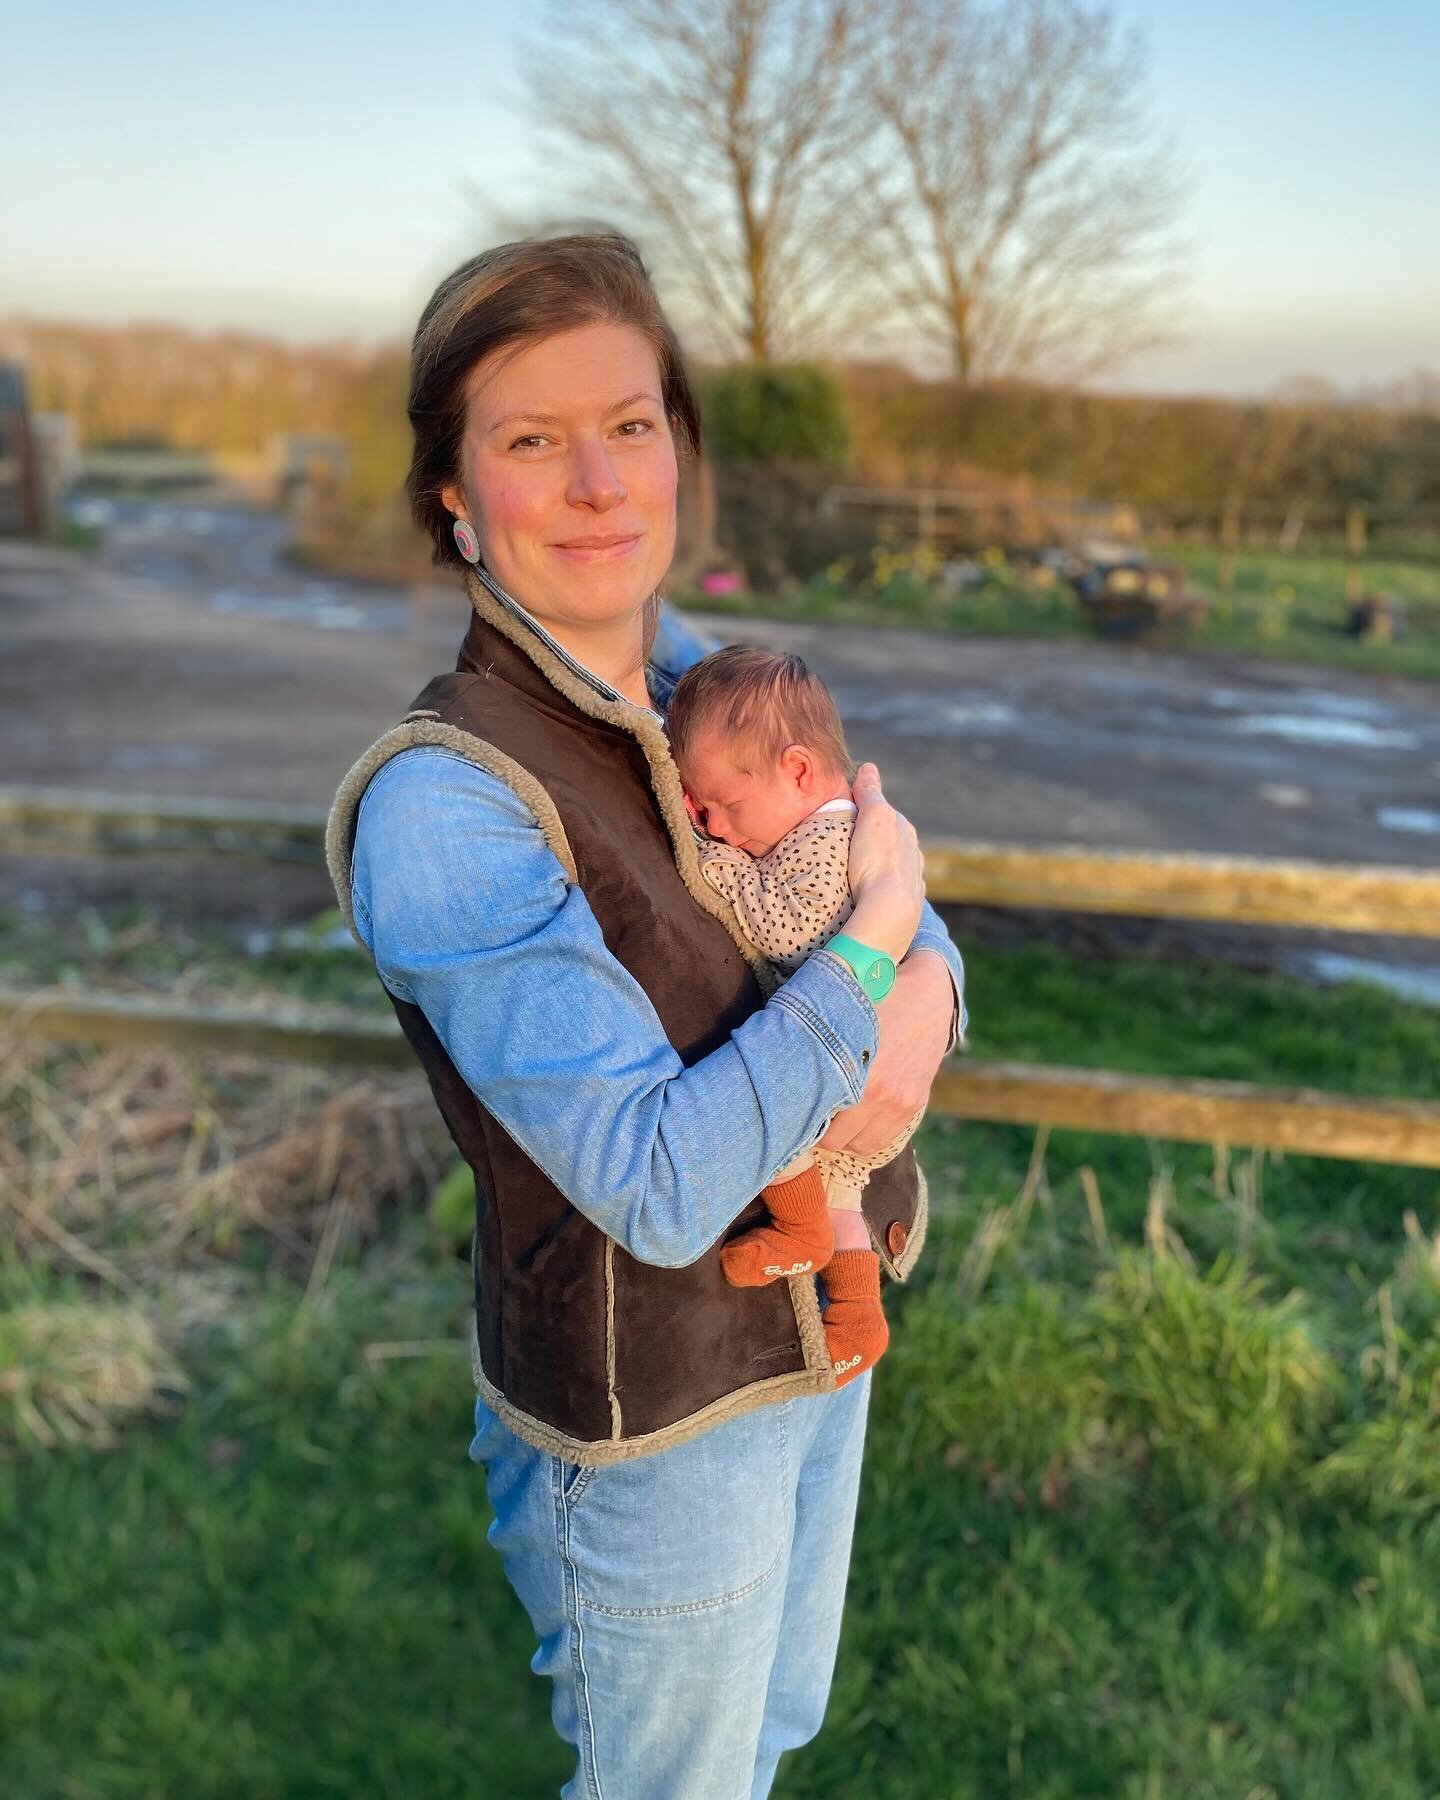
<point x="580" y="1348"/>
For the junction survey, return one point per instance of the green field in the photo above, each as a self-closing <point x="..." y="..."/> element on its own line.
<point x="1288" y="607"/>
<point x="1150" y="1505"/>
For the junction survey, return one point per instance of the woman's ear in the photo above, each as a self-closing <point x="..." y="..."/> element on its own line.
<point x="452" y="499"/>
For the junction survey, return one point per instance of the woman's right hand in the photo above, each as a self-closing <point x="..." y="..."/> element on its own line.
<point x="887" y="870"/>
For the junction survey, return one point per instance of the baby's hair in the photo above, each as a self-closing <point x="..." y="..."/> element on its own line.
<point x="764" y="700"/>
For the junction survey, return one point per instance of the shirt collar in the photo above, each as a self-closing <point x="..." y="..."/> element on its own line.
<point x="573" y="663"/>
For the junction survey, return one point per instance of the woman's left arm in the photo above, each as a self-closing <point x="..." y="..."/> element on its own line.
<point x="920" y="1021"/>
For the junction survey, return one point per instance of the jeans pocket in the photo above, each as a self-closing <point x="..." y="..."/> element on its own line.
<point x="703" y="1524"/>
<point x="572" y="1479"/>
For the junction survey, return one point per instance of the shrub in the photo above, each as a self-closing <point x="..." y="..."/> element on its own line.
<point x="1219" y="1383"/>
<point x="762" y="413"/>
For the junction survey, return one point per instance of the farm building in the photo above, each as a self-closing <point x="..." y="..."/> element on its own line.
<point x="22" y="508"/>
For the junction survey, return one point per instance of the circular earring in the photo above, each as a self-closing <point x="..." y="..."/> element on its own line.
<point x="466" y="541"/>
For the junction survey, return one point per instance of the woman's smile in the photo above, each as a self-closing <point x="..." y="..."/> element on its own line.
<point x="609" y="547"/>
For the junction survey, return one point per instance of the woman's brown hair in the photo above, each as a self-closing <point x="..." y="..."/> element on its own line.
<point x="512" y="295"/>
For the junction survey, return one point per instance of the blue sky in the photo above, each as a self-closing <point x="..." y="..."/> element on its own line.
<point x="311" y="170"/>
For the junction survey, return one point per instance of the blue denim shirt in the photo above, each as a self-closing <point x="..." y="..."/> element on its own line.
<point x="469" y="916"/>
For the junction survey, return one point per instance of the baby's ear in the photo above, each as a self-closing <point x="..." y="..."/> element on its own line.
<point x="691" y="807"/>
<point x="797" y="764"/>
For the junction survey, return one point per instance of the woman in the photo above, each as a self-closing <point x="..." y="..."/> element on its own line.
<point x="672" y="1470"/>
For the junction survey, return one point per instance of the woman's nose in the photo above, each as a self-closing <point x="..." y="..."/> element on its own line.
<point x="593" y="480"/>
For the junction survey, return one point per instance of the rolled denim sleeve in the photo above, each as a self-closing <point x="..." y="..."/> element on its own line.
<point x="931" y="934"/>
<point x="469" y="916"/>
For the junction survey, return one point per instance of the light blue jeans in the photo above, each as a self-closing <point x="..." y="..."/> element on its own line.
<point x="687" y="1603"/>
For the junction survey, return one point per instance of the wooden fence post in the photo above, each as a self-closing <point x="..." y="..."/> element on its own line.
<point x="1229" y="538"/>
<point x="1354" y="551"/>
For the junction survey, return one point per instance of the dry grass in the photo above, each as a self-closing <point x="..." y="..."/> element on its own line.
<point x="69" y="1371"/>
<point x="157" y="1189"/>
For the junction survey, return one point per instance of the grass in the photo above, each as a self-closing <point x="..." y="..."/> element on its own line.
<point x="1152" y="1499"/>
<point x="70" y="534"/>
<point x="1285" y="606"/>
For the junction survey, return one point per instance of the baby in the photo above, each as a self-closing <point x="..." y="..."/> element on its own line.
<point x="761" y="754"/>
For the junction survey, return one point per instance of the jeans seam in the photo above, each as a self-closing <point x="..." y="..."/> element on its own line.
<point x="577" y="1636"/>
<point x="689" y="1606"/>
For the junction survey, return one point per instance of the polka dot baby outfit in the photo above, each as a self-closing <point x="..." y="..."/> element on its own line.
<point x="789" y="901"/>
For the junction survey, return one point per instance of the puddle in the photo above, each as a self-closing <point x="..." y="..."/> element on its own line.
<point x="1396" y="978"/>
<point x="134" y="757"/>
<point x="1342" y="706"/>
<point x="1346" y="733"/>
<point x="1281" y="793"/>
<point x="307" y="609"/>
<point x="1316" y="716"/>
<point x="1409" y="818"/>
<point x="1319" y="701"/>
<point x="926" y="715"/>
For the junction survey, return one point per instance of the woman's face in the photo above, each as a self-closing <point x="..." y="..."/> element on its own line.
<point x="569" y="474"/>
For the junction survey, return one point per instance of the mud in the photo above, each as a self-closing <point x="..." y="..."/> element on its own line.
<point x="186" y="657"/>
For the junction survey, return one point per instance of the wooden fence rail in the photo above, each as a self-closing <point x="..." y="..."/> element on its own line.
<point x="37" y="821"/>
<point x="1235" y="889"/>
<point x="1238" y="890"/>
<point x="1301" y="1120"/>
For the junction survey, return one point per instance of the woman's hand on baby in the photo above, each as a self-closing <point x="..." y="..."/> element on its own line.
<point x="915" y="1022"/>
<point x="887" y="870"/>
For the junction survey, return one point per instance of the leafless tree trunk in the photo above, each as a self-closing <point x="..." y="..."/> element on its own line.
<point x="724" y="135"/>
<point x="1019" y="205"/>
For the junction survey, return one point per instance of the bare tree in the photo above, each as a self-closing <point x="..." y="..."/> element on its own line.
<point x="725" y="135"/>
<point x="1020" y="204"/>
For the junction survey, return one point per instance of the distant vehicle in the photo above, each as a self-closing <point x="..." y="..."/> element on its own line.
<point x="1126" y="595"/>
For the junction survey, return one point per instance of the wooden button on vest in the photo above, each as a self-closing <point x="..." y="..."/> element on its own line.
<point x="896" y="1236"/>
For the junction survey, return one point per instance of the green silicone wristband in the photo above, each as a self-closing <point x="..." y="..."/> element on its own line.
<point x="873" y="969"/>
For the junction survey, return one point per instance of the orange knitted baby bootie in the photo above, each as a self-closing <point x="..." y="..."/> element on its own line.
<point x="855" y="1330"/>
<point x="797" y="1241"/>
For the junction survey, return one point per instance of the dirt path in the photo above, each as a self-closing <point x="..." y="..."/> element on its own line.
<point x="188" y="658"/>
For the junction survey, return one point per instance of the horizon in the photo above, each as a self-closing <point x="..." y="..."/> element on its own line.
<point x="1379" y="393"/>
<point x="303" y="212"/>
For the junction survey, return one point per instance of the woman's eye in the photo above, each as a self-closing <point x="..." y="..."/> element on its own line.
<point x="642" y="425"/>
<point x="522" y="442"/>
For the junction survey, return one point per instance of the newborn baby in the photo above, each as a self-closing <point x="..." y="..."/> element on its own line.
<point x="761" y="754"/>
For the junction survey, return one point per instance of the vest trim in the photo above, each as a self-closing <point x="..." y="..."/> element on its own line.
<point x="423" y="726"/>
<point x="600" y="1453"/>
<point x="664" y="776"/>
<point x="417" y="729"/>
<point x="615" y="1427"/>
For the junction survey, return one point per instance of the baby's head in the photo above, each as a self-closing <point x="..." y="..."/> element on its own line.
<point x="758" y="743"/>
